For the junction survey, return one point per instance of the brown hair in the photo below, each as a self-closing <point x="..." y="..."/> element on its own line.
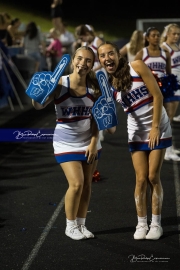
<point x="83" y="29"/>
<point x="91" y="76"/>
<point x="121" y="79"/>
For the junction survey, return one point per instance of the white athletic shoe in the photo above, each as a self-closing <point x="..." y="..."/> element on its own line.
<point x="176" y="151"/>
<point x="155" y="232"/>
<point x="176" y="118"/>
<point x="85" y="231"/>
<point x="171" y="156"/>
<point x="141" y="230"/>
<point x="74" y="233"/>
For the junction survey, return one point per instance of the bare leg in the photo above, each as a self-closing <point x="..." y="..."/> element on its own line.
<point x="74" y="174"/>
<point x="171" y="108"/>
<point x="86" y="192"/>
<point x="155" y="163"/>
<point x="140" y="163"/>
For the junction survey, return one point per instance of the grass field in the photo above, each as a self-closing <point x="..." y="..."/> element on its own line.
<point x="43" y="21"/>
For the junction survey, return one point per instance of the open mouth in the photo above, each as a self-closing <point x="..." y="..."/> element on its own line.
<point x="81" y="67"/>
<point x="110" y="66"/>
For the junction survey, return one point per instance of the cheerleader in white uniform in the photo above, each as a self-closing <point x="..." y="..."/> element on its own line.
<point x="135" y="44"/>
<point x="169" y="41"/>
<point x="149" y="131"/>
<point x="159" y="61"/>
<point x="76" y="142"/>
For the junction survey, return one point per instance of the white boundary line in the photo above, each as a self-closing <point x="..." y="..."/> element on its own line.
<point x="43" y="236"/>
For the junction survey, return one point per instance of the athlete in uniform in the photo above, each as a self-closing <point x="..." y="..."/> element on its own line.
<point x="135" y="44"/>
<point x="76" y="143"/>
<point x="149" y="131"/>
<point x="169" y="41"/>
<point x="159" y="61"/>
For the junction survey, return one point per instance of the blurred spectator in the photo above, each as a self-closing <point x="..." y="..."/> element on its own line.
<point x="67" y="38"/>
<point x="33" y="44"/>
<point x="15" y="34"/>
<point x="56" y="15"/>
<point x="54" y="50"/>
<point x="7" y="18"/>
<point x="6" y="90"/>
<point x="3" y="29"/>
<point x="86" y="35"/>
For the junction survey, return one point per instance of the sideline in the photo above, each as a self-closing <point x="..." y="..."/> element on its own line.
<point x="43" y="236"/>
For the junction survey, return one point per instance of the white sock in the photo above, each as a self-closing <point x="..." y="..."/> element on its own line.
<point x="70" y="223"/>
<point x="142" y="220"/>
<point x="80" y="221"/>
<point x="156" y="219"/>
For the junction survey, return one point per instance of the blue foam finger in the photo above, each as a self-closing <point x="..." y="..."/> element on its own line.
<point x="43" y="83"/>
<point x="104" y="109"/>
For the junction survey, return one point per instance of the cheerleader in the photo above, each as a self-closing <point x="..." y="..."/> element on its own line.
<point x="149" y="131"/>
<point x="76" y="143"/>
<point x="169" y="41"/>
<point x="159" y="61"/>
<point x="86" y="35"/>
<point x="135" y="44"/>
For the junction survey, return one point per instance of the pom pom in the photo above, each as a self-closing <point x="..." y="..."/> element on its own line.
<point x="96" y="176"/>
<point x="167" y="84"/>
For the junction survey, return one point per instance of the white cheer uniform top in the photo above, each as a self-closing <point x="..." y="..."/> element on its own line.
<point x="155" y="63"/>
<point x="72" y="134"/>
<point x="175" y="68"/>
<point x="137" y="102"/>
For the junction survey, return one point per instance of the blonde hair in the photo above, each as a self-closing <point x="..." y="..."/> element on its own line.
<point x="136" y="42"/>
<point x="167" y="29"/>
<point x="54" y="32"/>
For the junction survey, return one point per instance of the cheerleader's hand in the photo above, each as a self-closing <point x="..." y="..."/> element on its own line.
<point x="91" y="153"/>
<point x="104" y="109"/>
<point x="154" y="137"/>
<point x="43" y="83"/>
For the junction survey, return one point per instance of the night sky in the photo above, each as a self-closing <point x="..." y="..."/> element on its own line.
<point x="107" y="14"/>
<point x="107" y="10"/>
